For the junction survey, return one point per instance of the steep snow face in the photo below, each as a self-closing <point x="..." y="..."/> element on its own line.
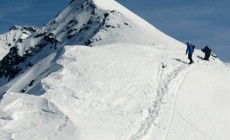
<point x="121" y="25"/>
<point x="85" y="22"/>
<point x="96" y="22"/>
<point x="14" y="37"/>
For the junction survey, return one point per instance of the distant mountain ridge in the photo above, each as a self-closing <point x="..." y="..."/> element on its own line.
<point x="15" y="35"/>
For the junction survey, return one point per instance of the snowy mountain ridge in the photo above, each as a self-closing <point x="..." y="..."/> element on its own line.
<point x="98" y="71"/>
<point x="15" y="35"/>
<point x="80" y="23"/>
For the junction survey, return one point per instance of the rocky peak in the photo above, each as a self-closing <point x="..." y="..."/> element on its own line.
<point x="24" y="29"/>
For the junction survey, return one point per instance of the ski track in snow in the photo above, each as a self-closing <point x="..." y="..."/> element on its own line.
<point x="173" y="114"/>
<point x="164" y="84"/>
<point x="185" y="72"/>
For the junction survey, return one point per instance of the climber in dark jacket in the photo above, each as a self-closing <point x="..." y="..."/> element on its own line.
<point x="207" y="51"/>
<point x="189" y="51"/>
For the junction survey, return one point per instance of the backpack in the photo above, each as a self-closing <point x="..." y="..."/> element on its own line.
<point x="193" y="46"/>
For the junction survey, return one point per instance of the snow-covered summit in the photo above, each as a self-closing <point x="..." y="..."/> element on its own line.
<point x="84" y="22"/>
<point x="25" y="29"/>
<point x="95" y="22"/>
<point x="98" y="71"/>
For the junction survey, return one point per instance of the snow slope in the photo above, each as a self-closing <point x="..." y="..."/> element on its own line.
<point x="228" y="64"/>
<point x="204" y="109"/>
<point x="133" y="84"/>
<point x="82" y="22"/>
<point x="25" y="117"/>
<point x="14" y="36"/>
<point x="122" y="92"/>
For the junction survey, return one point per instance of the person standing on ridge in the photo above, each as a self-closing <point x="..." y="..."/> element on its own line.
<point x="207" y="51"/>
<point x="189" y="51"/>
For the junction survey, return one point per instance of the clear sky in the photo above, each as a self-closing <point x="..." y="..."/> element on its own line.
<point x="201" y="22"/>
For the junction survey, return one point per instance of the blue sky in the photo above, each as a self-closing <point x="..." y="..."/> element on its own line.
<point x="201" y="22"/>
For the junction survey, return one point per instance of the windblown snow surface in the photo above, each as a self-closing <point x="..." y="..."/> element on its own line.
<point x="119" y="91"/>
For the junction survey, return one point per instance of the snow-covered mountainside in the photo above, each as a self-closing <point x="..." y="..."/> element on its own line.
<point x="83" y="22"/>
<point x="13" y="37"/>
<point x="97" y="71"/>
<point x="228" y="64"/>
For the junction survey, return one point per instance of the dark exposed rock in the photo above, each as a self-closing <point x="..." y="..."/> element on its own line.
<point x="29" y="64"/>
<point x="20" y="40"/>
<point x="88" y="42"/>
<point x="39" y="35"/>
<point x="26" y="28"/>
<point x="126" y="23"/>
<point x="12" y="64"/>
<point x="31" y="83"/>
<point x="8" y="65"/>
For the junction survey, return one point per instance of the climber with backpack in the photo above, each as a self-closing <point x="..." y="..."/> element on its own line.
<point x="207" y="51"/>
<point x="189" y="51"/>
